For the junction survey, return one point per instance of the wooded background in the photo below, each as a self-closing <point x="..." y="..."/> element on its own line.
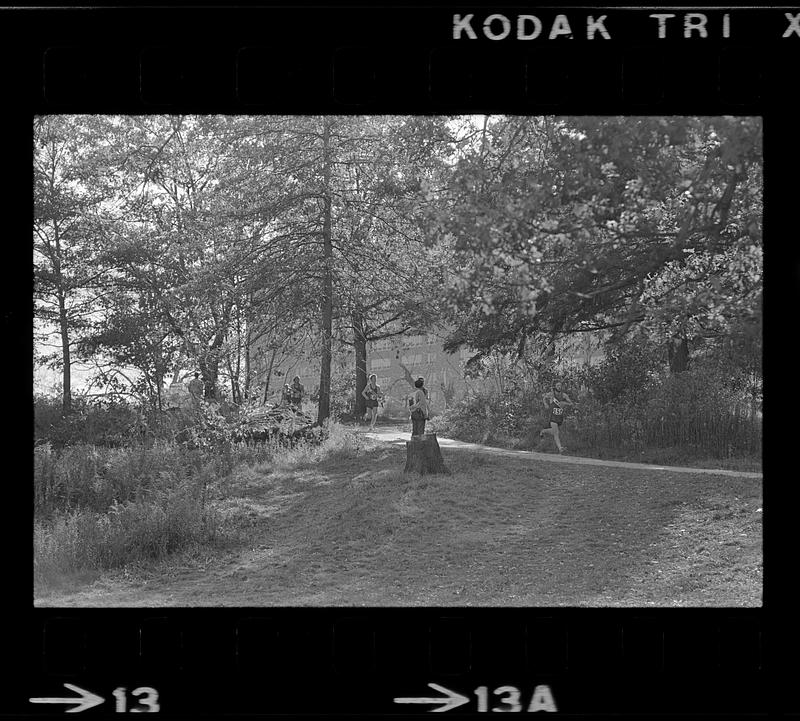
<point x="168" y="244"/>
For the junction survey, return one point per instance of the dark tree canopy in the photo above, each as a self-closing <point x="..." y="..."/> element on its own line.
<point x="587" y="224"/>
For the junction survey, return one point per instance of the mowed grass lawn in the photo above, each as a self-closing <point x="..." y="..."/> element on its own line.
<point x="355" y="531"/>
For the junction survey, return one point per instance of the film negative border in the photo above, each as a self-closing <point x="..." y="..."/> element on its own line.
<point x="708" y="661"/>
<point x="382" y="60"/>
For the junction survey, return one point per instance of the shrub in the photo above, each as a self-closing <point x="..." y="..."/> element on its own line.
<point x="490" y="417"/>
<point x="628" y="371"/>
<point x="46" y="416"/>
<point x="101" y="422"/>
<point x="343" y="392"/>
<point x="210" y="431"/>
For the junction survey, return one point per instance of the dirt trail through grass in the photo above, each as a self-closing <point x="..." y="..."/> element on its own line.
<point x="398" y="434"/>
<point x="507" y="528"/>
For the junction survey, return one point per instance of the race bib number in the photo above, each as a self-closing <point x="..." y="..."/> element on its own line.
<point x="558" y="411"/>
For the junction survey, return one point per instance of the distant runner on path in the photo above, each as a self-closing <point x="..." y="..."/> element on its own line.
<point x="555" y="401"/>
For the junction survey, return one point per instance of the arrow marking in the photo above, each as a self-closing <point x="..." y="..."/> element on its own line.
<point x="452" y="700"/>
<point x="86" y="700"/>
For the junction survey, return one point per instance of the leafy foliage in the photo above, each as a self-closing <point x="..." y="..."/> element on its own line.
<point x="588" y="223"/>
<point x="627" y="373"/>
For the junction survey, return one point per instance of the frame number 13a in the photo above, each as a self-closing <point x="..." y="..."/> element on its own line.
<point x="507" y="698"/>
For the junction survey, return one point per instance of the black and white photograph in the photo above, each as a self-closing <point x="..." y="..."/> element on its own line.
<point x="397" y="360"/>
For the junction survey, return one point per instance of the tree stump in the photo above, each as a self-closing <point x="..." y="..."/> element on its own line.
<point x="424" y="456"/>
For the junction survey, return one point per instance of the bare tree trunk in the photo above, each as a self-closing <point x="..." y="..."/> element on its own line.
<point x="269" y="374"/>
<point x="498" y="371"/>
<point x="247" y="343"/>
<point x="209" y="376"/>
<point x="63" y="322"/>
<point x="158" y="379"/>
<point x="209" y="367"/>
<point x="327" y="282"/>
<point x="235" y="387"/>
<point x="360" y="345"/>
<point x="234" y="376"/>
<point x="152" y="395"/>
<point x="66" y="374"/>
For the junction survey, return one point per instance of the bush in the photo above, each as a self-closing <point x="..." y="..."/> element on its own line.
<point x="343" y="392"/>
<point x="93" y="477"/>
<point x="489" y="417"/>
<point x="628" y="372"/>
<point x="209" y="431"/>
<point x="104" y="422"/>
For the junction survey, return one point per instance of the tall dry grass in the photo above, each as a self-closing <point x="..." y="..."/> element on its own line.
<point x="714" y="433"/>
<point x="130" y="532"/>
<point x="99" y="508"/>
<point x="674" y="421"/>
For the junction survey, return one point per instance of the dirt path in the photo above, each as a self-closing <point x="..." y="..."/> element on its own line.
<point x="400" y="434"/>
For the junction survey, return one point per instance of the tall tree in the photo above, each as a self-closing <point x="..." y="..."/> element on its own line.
<point x="326" y="315"/>
<point x="387" y="276"/>
<point x="342" y="229"/>
<point x="182" y="254"/>
<point x="68" y="269"/>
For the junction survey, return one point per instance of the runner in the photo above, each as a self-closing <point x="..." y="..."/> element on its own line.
<point x="555" y="401"/>
<point x="372" y="394"/>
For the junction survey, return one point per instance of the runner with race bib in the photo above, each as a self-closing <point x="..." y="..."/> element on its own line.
<point x="556" y="401"/>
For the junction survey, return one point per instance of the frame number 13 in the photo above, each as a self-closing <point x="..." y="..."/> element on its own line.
<point x="508" y="699"/>
<point x="147" y="698"/>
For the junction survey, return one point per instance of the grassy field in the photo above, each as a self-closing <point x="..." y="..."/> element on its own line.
<point x="348" y="528"/>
